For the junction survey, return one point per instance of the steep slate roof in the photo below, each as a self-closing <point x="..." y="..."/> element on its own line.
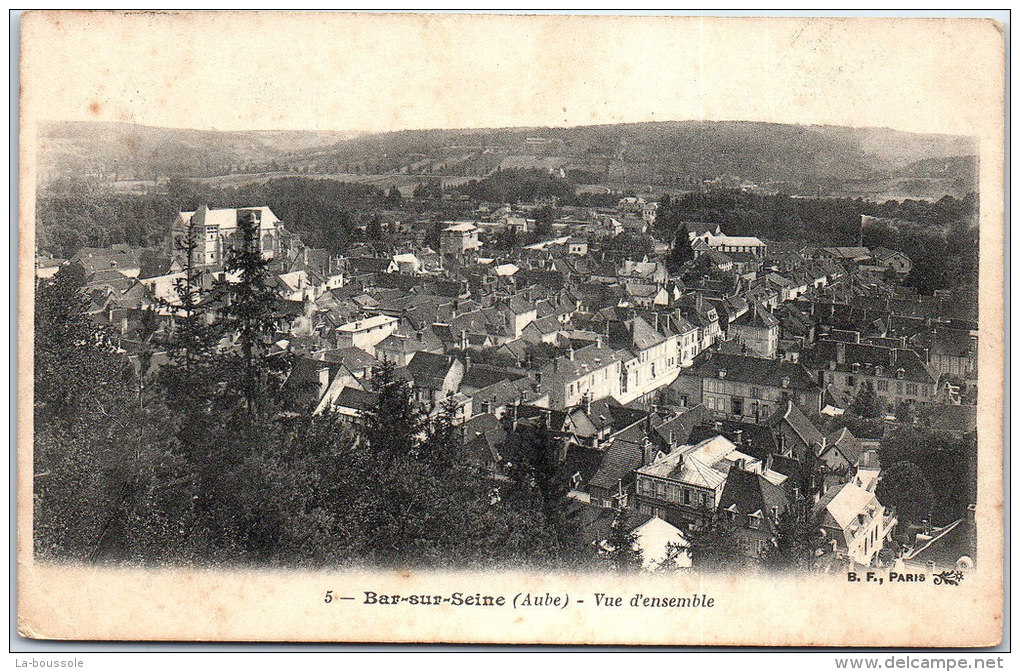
<point x="359" y="400"/>
<point x="847" y="444"/>
<point x="478" y="376"/>
<point x="840" y="508"/>
<point x="679" y="427"/>
<point x="755" y="440"/>
<point x="799" y="422"/>
<point x="757" y="317"/>
<point x="947" y="545"/>
<point x="428" y="369"/>
<point x="754" y="370"/>
<point x="873" y="360"/>
<point x="353" y="358"/>
<point x="621" y="458"/>
<point x="746" y="493"/>
<point x="484" y="436"/>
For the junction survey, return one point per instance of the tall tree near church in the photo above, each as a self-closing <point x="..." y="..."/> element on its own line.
<point x="191" y="345"/>
<point x="250" y="311"/>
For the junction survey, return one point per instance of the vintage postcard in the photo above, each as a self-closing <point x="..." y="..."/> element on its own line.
<point x="551" y="329"/>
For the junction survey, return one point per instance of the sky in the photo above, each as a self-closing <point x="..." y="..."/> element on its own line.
<point x="382" y="72"/>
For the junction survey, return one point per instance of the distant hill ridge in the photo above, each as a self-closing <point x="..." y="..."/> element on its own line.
<point x="670" y="154"/>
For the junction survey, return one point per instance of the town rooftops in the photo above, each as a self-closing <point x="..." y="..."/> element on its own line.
<point x="765" y="372"/>
<point x="583" y="362"/>
<point x="367" y="324"/>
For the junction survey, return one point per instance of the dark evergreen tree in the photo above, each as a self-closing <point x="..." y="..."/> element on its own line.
<point x="680" y="252"/>
<point x="866" y="404"/>
<point x="250" y="314"/>
<point x="393" y="427"/>
<point x="716" y="546"/>
<point x="904" y="488"/>
<point x="622" y="552"/>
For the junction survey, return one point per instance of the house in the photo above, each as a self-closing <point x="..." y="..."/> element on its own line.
<point x="577" y="246"/>
<point x="589" y="373"/>
<point x="356" y="360"/>
<point x="120" y="257"/>
<point x="747" y="388"/>
<point x="483" y="439"/>
<point x="950" y="548"/>
<point x="433" y="377"/>
<point x="753" y="505"/>
<point x="398" y="350"/>
<point x="367" y="333"/>
<point x="796" y="436"/>
<point x="841" y="452"/>
<point x="854" y="524"/>
<point x="352" y="403"/>
<point x="624" y="453"/>
<point x="685" y="486"/>
<point x="891" y="260"/>
<point x="458" y="238"/>
<point x="896" y="374"/>
<point x="653" y="360"/>
<point x="757" y="332"/>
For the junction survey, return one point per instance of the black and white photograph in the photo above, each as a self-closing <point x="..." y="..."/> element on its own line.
<point x="551" y="329"/>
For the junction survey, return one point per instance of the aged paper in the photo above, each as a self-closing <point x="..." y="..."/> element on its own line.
<point x="387" y="72"/>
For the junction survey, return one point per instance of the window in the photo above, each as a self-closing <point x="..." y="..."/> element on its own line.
<point x="883" y="386"/>
<point x="912" y="388"/>
<point x="736" y="406"/>
<point x="756" y="392"/>
<point x="687" y="496"/>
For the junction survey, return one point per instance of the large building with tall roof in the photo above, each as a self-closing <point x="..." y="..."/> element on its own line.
<point x="216" y="231"/>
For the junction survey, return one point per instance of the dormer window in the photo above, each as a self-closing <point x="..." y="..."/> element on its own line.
<point x="722" y="373"/>
<point x="731" y="512"/>
<point x="754" y="520"/>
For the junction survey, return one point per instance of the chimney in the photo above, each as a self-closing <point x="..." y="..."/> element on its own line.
<point x="467" y="363"/>
<point x="718" y="427"/>
<point x="739" y="437"/>
<point x="892" y="357"/>
<point x="650" y="452"/>
<point x="841" y="352"/>
<point x="463" y="339"/>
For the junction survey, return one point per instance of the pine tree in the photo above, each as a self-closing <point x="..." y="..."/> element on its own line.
<point x="191" y="344"/>
<point x="622" y="551"/>
<point x="866" y="404"/>
<point x="797" y="540"/>
<point x="716" y="546"/>
<point x="393" y="427"/>
<point x="251" y="313"/>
